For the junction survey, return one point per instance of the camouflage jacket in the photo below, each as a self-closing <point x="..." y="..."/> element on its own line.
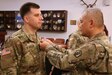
<point x="75" y="40"/>
<point x="21" y="55"/>
<point x="89" y="59"/>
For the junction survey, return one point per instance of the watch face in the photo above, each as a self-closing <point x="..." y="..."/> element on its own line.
<point x="54" y="20"/>
<point x="54" y="15"/>
<point x="59" y="21"/>
<point x="47" y="21"/>
<point x="54" y="27"/>
<point x="19" y="26"/>
<point x="45" y="15"/>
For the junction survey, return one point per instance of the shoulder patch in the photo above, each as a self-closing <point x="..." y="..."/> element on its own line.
<point x="78" y="53"/>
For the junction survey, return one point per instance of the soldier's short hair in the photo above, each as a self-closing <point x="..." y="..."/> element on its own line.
<point x="97" y="15"/>
<point x="25" y="8"/>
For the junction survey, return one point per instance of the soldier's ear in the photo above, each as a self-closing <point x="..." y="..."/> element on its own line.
<point x="91" y="23"/>
<point x="26" y="19"/>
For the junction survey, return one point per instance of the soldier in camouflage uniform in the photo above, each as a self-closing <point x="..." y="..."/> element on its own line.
<point x="21" y="54"/>
<point x="92" y="58"/>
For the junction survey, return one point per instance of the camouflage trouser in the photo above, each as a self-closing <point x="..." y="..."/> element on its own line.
<point x="30" y="73"/>
<point x="66" y="73"/>
<point x="32" y="70"/>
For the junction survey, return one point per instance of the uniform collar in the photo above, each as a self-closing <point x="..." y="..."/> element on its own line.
<point x="99" y="36"/>
<point x="31" y="37"/>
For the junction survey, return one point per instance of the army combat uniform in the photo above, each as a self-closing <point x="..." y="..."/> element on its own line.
<point x="76" y="40"/>
<point x="21" y="55"/>
<point x="89" y="59"/>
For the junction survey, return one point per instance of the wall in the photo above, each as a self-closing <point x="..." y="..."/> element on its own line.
<point x="73" y="7"/>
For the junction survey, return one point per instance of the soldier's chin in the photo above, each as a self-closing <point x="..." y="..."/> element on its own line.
<point x="39" y="27"/>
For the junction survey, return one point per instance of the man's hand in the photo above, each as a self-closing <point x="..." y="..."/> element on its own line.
<point x="44" y="43"/>
<point x="63" y="46"/>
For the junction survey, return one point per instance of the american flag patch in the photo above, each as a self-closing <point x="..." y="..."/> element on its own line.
<point x="5" y="51"/>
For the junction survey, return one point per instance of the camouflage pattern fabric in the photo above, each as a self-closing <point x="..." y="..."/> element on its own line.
<point x="21" y="55"/>
<point x="76" y="40"/>
<point x="88" y="59"/>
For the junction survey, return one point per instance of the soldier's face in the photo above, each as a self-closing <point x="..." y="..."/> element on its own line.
<point x="84" y="25"/>
<point x="34" y="18"/>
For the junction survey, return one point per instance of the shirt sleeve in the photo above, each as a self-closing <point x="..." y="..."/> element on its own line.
<point x="72" y="41"/>
<point x="82" y="57"/>
<point x="10" y="57"/>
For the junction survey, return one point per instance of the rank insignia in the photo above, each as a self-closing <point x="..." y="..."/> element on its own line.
<point x="78" y="53"/>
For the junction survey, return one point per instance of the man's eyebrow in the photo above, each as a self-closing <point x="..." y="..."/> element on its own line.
<point x="36" y="14"/>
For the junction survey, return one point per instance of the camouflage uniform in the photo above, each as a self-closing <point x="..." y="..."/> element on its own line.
<point x="89" y="59"/>
<point x="21" y="55"/>
<point x="76" y="40"/>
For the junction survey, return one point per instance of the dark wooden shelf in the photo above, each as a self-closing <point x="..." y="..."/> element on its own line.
<point x="54" y="20"/>
<point x="2" y="36"/>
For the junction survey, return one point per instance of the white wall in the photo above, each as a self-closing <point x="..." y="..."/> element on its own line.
<point x="72" y="6"/>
